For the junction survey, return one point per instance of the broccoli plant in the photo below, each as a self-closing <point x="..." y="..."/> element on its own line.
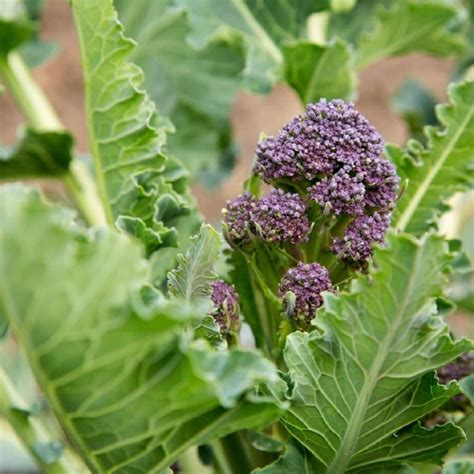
<point x="308" y="335"/>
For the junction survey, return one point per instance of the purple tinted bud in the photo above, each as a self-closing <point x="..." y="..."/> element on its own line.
<point x="226" y="307"/>
<point x="281" y="217"/>
<point x="357" y="244"/>
<point x="381" y="181"/>
<point x="301" y="288"/>
<point x="320" y="141"/>
<point x="236" y="217"/>
<point x="341" y="194"/>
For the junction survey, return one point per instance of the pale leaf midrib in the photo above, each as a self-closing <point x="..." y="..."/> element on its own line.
<point x="343" y="458"/>
<point x="415" y="200"/>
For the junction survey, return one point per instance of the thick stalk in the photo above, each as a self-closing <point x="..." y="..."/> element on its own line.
<point x="42" y="117"/>
<point x="31" y="431"/>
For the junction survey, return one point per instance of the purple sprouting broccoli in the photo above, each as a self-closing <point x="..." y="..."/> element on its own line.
<point x="236" y="217"/>
<point x="301" y="288"/>
<point x="340" y="194"/>
<point x="355" y="248"/>
<point x="281" y="217"/>
<point x="278" y="217"/>
<point x="226" y="311"/>
<point x="338" y="153"/>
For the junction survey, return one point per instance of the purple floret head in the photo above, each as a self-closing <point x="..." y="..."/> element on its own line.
<point x="236" y="217"/>
<point x="361" y="234"/>
<point x="340" y="194"/>
<point x="335" y="150"/>
<point x="226" y="311"/>
<point x="329" y="135"/>
<point x="281" y="217"/>
<point x="301" y="288"/>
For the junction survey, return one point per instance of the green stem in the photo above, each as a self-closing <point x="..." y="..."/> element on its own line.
<point x="190" y="463"/>
<point x="41" y="116"/>
<point x="31" y="431"/>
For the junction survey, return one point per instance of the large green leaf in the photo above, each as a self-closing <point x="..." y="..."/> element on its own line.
<point x="365" y="375"/>
<point x="319" y="71"/>
<point x="37" y="154"/>
<point x="263" y="25"/>
<point x="130" y="392"/>
<point x="191" y="279"/>
<point x="145" y="190"/>
<point x="407" y="26"/>
<point x="195" y="88"/>
<point x="445" y="166"/>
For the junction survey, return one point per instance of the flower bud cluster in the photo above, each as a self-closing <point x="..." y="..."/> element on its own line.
<point x="226" y="311"/>
<point x="360" y="235"/>
<point x="336" y="149"/>
<point x="277" y="217"/>
<point x="331" y="157"/>
<point x="301" y="288"/>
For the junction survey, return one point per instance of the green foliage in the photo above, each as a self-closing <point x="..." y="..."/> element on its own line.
<point x="19" y="29"/>
<point x="190" y="280"/>
<point x="416" y="105"/>
<point x="129" y="390"/>
<point x="262" y="34"/>
<point x="319" y="71"/>
<point x="141" y="188"/>
<point x="407" y="26"/>
<point x="443" y="167"/>
<point x="364" y="376"/>
<point x="459" y="467"/>
<point x="295" y="459"/>
<point x="37" y="154"/>
<point x="195" y="88"/>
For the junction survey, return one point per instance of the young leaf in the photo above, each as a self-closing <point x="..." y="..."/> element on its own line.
<point x="294" y="459"/>
<point x="38" y="154"/>
<point x="129" y="391"/>
<point x="444" y="167"/>
<point x="135" y="179"/>
<point x="191" y="279"/>
<point x="319" y="71"/>
<point x="263" y="34"/>
<point x="195" y="88"/>
<point x="363" y="378"/>
<point x="407" y="26"/>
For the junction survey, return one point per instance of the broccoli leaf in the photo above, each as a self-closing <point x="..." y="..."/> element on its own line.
<point x="130" y="392"/>
<point x="416" y="105"/>
<point x="141" y="188"/>
<point x="407" y="26"/>
<point x="459" y="467"/>
<point x="442" y="168"/>
<point x="319" y="71"/>
<point x="195" y="88"/>
<point x="191" y="279"/>
<point x="37" y="154"/>
<point x="294" y="459"/>
<point x="363" y="378"/>
<point x="263" y="26"/>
